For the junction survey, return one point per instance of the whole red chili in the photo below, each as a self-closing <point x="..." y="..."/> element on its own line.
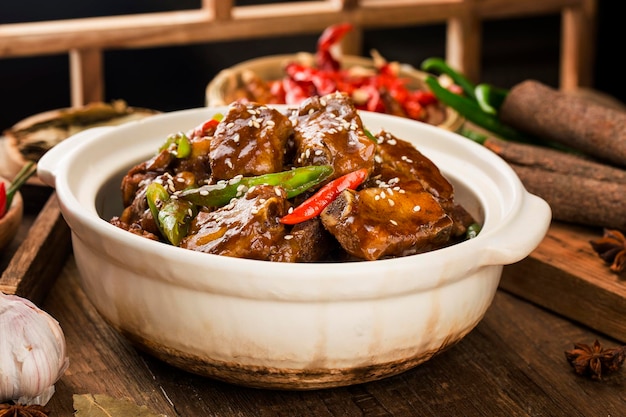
<point x="314" y="205"/>
<point x="331" y="36"/>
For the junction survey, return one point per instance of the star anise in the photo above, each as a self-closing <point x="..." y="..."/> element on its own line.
<point x="611" y="247"/>
<point x="594" y="361"/>
<point x="18" y="410"/>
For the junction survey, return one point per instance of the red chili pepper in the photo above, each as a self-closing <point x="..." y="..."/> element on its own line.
<point x="206" y="128"/>
<point x="331" y="36"/>
<point x="314" y="205"/>
<point x="295" y="92"/>
<point x="3" y="200"/>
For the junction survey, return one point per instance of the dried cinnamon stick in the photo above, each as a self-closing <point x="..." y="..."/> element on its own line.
<point x="577" y="199"/>
<point x="548" y="159"/>
<point x="574" y="121"/>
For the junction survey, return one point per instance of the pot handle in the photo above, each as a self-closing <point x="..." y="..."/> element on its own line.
<point x="50" y="162"/>
<point x="522" y="235"/>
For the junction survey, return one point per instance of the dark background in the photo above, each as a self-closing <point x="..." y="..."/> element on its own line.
<point x="175" y="78"/>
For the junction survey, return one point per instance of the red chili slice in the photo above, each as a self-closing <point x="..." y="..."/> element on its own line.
<point x="314" y="205"/>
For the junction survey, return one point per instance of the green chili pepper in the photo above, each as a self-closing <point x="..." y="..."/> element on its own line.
<point x="477" y="137"/>
<point x="473" y="230"/>
<point x="172" y="215"/>
<point x="438" y="66"/>
<point x="294" y="181"/>
<point x="370" y="136"/>
<point x="490" y="98"/>
<point x="178" y="144"/>
<point x="20" y="178"/>
<point x="470" y="109"/>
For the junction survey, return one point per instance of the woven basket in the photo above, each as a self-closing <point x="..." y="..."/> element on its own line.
<point x="271" y="67"/>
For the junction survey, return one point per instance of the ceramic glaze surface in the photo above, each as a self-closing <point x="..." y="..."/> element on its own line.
<point x="289" y="326"/>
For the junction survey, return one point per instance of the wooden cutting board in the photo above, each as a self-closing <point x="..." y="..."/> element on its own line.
<point x="566" y="276"/>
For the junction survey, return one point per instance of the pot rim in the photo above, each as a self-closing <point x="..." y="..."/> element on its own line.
<point x="282" y="280"/>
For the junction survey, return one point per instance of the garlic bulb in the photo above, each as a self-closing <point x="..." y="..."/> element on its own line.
<point x="32" y="352"/>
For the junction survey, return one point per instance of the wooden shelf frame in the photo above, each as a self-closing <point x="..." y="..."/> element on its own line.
<point x="86" y="39"/>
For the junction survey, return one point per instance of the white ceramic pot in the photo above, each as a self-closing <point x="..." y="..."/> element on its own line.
<point x="289" y="326"/>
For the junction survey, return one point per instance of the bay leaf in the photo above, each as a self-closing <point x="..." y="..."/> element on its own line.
<point x="100" y="405"/>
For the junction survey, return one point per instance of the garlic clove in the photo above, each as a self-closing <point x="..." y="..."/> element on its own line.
<point x="32" y="352"/>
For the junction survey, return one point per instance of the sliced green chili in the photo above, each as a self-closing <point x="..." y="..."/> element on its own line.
<point x="172" y="216"/>
<point x="294" y="182"/>
<point x="473" y="230"/>
<point x="179" y="144"/>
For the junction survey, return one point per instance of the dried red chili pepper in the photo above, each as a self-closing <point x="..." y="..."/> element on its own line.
<point x="331" y="35"/>
<point x="3" y="199"/>
<point x="314" y="205"/>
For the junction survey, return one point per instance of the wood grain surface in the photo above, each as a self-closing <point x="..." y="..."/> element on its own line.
<point x="512" y="364"/>
<point x="565" y="275"/>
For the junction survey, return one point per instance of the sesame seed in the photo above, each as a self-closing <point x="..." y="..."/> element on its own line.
<point x="416" y="208"/>
<point x="288" y="237"/>
<point x="204" y="193"/>
<point x="270" y="123"/>
<point x="230" y="124"/>
<point x="391" y="202"/>
<point x="395" y="223"/>
<point x="236" y="137"/>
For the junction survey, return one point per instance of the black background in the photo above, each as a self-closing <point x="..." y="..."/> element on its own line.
<point x="175" y="78"/>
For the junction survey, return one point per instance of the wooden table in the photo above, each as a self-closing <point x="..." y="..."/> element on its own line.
<point x="511" y="364"/>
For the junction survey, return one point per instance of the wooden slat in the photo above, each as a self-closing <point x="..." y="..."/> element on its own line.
<point x="463" y="44"/>
<point x="219" y="20"/>
<point x="499" y="9"/>
<point x="222" y="9"/>
<point x="86" y="76"/>
<point x="577" y="46"/>
<point x="39" y="259"/>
